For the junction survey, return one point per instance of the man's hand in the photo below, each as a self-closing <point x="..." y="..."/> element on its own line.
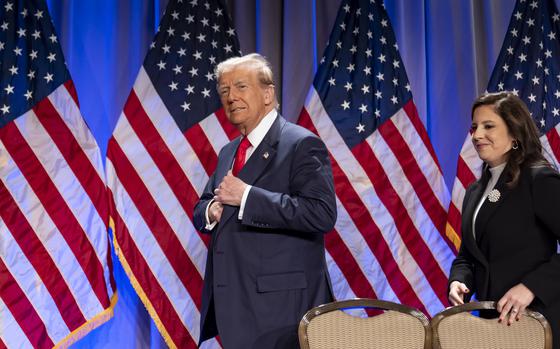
<point x="514" y="302"/>
<point x="230" y="191"/>
<point x="215" y="212"/>
<point x="457" y="291"/>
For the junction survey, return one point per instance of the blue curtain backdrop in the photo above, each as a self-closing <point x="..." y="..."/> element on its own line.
<point x="448" y="48"/>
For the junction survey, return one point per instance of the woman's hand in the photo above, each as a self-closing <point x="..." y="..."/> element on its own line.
<point x="457" y="291"/>
<point x="514" y="302"/>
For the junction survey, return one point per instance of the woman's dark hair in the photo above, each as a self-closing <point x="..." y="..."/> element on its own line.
<point x="522" y="129"/>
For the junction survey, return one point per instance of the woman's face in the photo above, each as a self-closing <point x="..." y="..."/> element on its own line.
<point x="490" y="136"/>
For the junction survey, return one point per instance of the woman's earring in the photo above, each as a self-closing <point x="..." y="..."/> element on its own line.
<point x="514" y="145"/>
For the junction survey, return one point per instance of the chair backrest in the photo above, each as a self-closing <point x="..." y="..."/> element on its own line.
<point x="397" y="327"/>
<point x="457" y="328"/>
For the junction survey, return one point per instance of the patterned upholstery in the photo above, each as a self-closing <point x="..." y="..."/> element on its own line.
<point x="456" y="328"/>
<point x="397" y="327"/>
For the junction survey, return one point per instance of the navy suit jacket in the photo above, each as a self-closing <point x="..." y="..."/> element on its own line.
<point x="516" y="242"/>
<point x="265" y="271"/>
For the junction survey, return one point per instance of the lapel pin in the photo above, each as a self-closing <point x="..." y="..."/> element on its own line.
<point x="494" y="195"/>
<point x="265" y="155"/>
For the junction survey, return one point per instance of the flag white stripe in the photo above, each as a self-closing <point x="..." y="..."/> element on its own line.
<point x="164" y="197"/>
<point x="341" y="286"/>
<point x="458" y="193"/>
<point x="70" y="113"/>
<point x="10" y="332"/>
<point x="210" y="344"/>
<point x="51" y="239"/>
<point x="366" y="260"/>
<point x="470" y="156"/>
<point x="215" y="133"/>
<point x="361" y="184"/>
<point x="64" y="179"/>
<point x="409" y="198"/>
<point x="31" y="285"/>
<point x="422" y="157"/>
<point x="168" y="132"/>
<point x="154" y="256"/>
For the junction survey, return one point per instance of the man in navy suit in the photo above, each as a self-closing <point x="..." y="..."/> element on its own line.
<point x="267" y="206"/>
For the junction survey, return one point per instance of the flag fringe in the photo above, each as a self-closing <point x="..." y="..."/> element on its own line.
<point x="453" y="236"/>
<point x="140" y="292"/>
<point x="90" y="325"/>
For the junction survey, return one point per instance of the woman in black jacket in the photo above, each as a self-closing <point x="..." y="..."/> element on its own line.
<point x="510" y="217"/>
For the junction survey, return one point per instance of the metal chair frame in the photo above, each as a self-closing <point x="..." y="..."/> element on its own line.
<point x="364" y="303"/>
<point x="485" y="305"/>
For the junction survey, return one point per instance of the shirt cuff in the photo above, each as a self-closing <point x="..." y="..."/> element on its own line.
<point x="243" y="201"/>
<point x="209" y="226"/>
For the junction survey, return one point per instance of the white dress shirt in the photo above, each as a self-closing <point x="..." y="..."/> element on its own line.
<point x="255" y="137"/>
<point x="496" y="173"/>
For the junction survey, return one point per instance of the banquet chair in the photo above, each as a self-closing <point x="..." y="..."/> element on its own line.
<point x="394" y="326"/>
<point x="457" y="328"/>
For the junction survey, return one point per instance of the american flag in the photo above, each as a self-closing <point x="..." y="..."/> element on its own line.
<point x="529" y="66"/>
<point x="161" y="154"/>
<point x="55" y="273"/>
<point x="389" y="239"/>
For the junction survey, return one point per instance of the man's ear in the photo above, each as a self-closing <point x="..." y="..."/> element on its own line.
<point x="269" y="94"/>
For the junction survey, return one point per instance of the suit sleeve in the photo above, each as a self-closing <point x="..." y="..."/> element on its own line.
<point x="310" y="206"/>
<point x="199" y="215"/>
<point x="462" y="268"/>
<point x="544" y="281"/>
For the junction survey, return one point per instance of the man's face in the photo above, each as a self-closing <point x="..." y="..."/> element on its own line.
<point x="246" y="101"/>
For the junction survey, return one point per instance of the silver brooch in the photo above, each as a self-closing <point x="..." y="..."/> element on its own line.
<point x="265" y="155"/>
<point x="494" y="195"/>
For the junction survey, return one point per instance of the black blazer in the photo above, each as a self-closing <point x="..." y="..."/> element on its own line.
<point x="264" y="272"/>
<point x="517" y="242"/>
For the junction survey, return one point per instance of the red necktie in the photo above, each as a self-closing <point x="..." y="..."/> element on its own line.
<point x="240" y="155"/>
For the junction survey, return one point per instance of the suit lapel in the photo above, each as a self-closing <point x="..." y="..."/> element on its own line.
<point x="227" y="162"/>
<point x="471" y="202"/>
<point x="264" y="154"/>
<point x="224" y="165"/>
<point x="489" y="208"/>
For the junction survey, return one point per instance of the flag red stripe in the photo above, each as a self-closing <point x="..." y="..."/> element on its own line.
<point x="150" y="284"/>
<point x="160" y="154"/>
<point x="202" y="147"/>
<point x="22" y="310"/>
<point x="409" y="234"/>
<point x="416" y="177"/>
<point x="74" y="156"/>
<point x="57" y="208"/>
<point x="369" y="230"/>
<point x="72" y="91"/>
<point x="554" y="141"/>
<point x="412" y="112"/>
<point x="414" y="174"/>
<point x="464" y="173"/>
<point x="163" y="158"/>
<point x="454" y="218"/>
<point x="110" y="262"/>
<point x="375" y="240"/>
<point x="40" y="259"/>
<point x="229" y="129"/>
<point x="348" y="265"/>
<point x="2" y="345"/>
<point x="156" y="222"/>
